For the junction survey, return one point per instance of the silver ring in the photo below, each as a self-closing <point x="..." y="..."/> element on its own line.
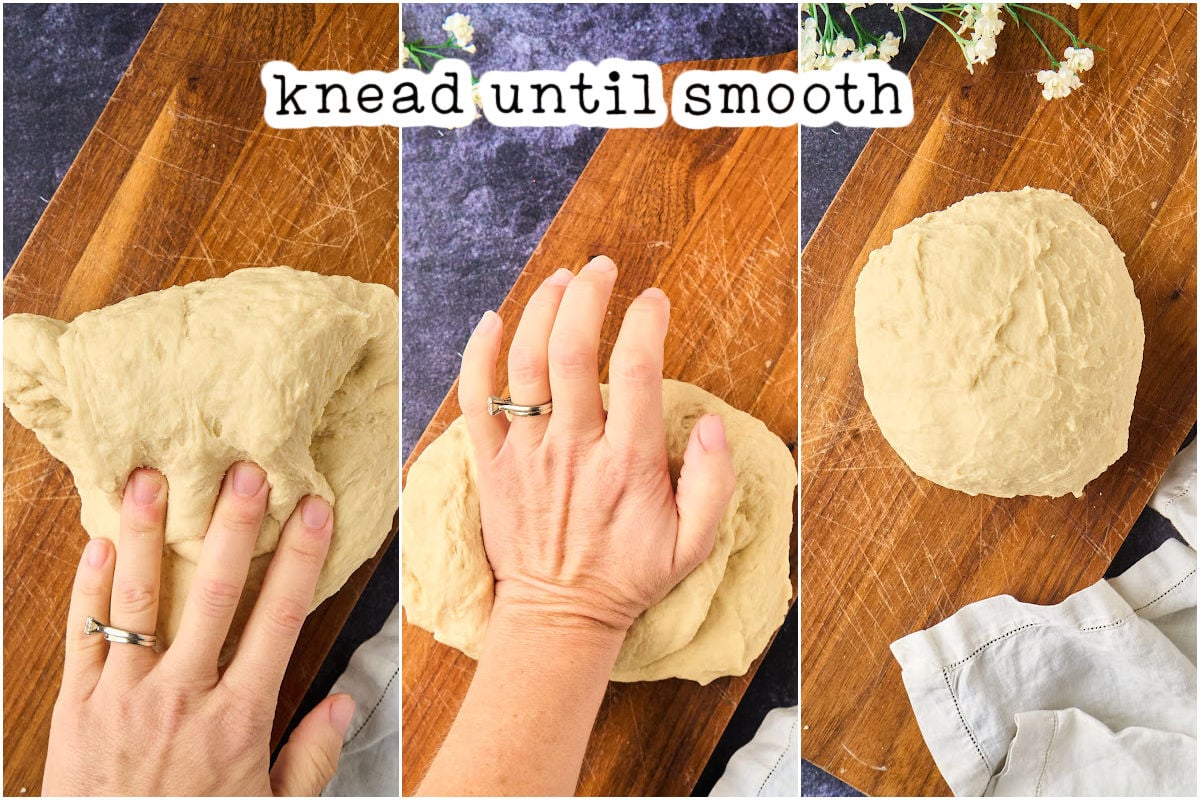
<point x="505" y="404"/>
<point x="92" y="625"/>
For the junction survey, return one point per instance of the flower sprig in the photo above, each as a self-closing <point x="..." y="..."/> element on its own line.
<point x="825" y="40"/>
<point x="423" y="54"/>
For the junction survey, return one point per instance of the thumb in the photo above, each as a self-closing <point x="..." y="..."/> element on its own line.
<point x="307" y="762"/>
<point x="704" y="489"/>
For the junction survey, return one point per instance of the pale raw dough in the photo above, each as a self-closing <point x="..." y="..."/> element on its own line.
<point x="292" y="370"/>
<point x="714" y="623"/>
<point x="1000" y="344"/>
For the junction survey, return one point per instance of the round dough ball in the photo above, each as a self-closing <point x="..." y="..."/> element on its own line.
<point x="714" y="623"/>
<point x="1000" y="344"/>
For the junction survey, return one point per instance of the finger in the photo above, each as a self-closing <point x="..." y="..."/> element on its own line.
<point x="221" y="572"/>
<point x="283" y="603"/>
<point x="704" y="489"/>
<point x="307" y="762"/>
<point x="139" y="561"/>
<point x="528" y="375"/>
<point x="476" y="382"/>
<point x="90" y="597"/>
<point x="635" y="413"/>
<point x="574" y="342"/>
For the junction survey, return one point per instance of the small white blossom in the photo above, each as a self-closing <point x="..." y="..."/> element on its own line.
<point x="1080" y="60"/>
<point x="843" y="45"/>
<point x="900" y="7"/>
<point x="459" y="26"/>
<point x="810" y="45"/>
<point x="889" y="48"/>
<point x="852" y="7"/>
<point x="1058" y="83"/>
<point x="404" y="54"/>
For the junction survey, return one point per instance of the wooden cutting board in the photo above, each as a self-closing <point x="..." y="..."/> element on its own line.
<point x="181" y="180"/>
<point x="710" y="217"/>
<point x="886" y="553"/>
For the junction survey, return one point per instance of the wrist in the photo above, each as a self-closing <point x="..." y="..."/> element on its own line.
<point x="537" y="618"/>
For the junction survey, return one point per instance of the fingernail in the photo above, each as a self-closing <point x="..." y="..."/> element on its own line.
<point x="340" y="712"/>
<point x="601" y="264"/>
<point x="146" y="485"/>
<point x="561" y="277"/>
<point x="712" y="433"/>
<point x="96" y="553"/>
<point x="656" y="293"/>
<point x="314" y="512"/>
<point x="247" y="479"/>
<point x="487" y="322"/>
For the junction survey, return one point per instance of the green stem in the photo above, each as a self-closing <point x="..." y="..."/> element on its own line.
<point x="1075" y="40"/>
<point x="1054" y="63"/>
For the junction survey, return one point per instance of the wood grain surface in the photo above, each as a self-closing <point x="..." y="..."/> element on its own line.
<point x="884" y="552"/>
<point x="710" y="217"/>
<point x="181" y="180"/>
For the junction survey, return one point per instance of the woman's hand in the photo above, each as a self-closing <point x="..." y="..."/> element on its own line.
<point x="580" y="520"/>
<point x="130" y="721"/>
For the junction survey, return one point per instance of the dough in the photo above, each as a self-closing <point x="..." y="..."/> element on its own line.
<point x="714" y="623"/>
<point x="1000" y="344"/>
<point x="295" y="371"/>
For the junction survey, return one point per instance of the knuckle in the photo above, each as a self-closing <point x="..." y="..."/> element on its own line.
<point x="91" y="589"/>
<point x="572" y="359"/>
<point x="135" y="595"/>
<point x="243" y="515"/>
<point x="308" y="547"/>
<point x="286" y="615"/>
<point x="218" y="598"/>
<point x="322" y="762"/>
<point x="144" y="522"/>
<point x="526" y="364"/>
<point x="635" y="367"/>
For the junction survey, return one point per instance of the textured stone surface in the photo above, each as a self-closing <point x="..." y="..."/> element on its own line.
<point x="61" y="63"/>
<point x="477" y="201"/>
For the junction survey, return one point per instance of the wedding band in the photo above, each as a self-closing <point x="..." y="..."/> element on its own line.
<point x="506" y="405"/>
<point x="92" y="625"/>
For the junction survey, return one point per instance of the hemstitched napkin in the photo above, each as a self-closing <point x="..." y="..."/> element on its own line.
<point x="1095" y="696"/>
<point x="370" y="762"/>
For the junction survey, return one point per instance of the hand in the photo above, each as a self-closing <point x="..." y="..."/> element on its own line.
<point x="580" y="521"/>
<point x="130" y="721"/>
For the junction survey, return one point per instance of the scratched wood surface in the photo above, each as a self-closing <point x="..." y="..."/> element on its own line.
<point x="710" y="217"/>
<point x="180" y="180"/>
<point x="885" y="553"/>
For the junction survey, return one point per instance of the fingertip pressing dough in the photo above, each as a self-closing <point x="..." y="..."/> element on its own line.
<point x="293" y="370"/>
<point x="1000" y="344"/>
<point x="714" y="623"/>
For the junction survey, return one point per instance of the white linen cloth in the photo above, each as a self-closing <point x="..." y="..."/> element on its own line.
<point x="370" y="762"/>
<point x="767" y="765"/>
<point x="1095" y="696"/>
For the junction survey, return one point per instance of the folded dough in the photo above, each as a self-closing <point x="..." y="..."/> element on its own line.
<point x="295" y="371"/>
<point x="714" y="623"/>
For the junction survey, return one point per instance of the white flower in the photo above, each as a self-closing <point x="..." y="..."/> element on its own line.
<point x="889" y="47"/>
<point x="988" y="23"/>
<point x="852" y="7"/>
<point x="900" y="7"/>
<point x="404" y="54"/>
<point x="810" y="45"/>
<point x="1080" y="60"/>
<point x="1058" y="83"/>
<point x="843" y="45"/>
<point x="459" y="26"/>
